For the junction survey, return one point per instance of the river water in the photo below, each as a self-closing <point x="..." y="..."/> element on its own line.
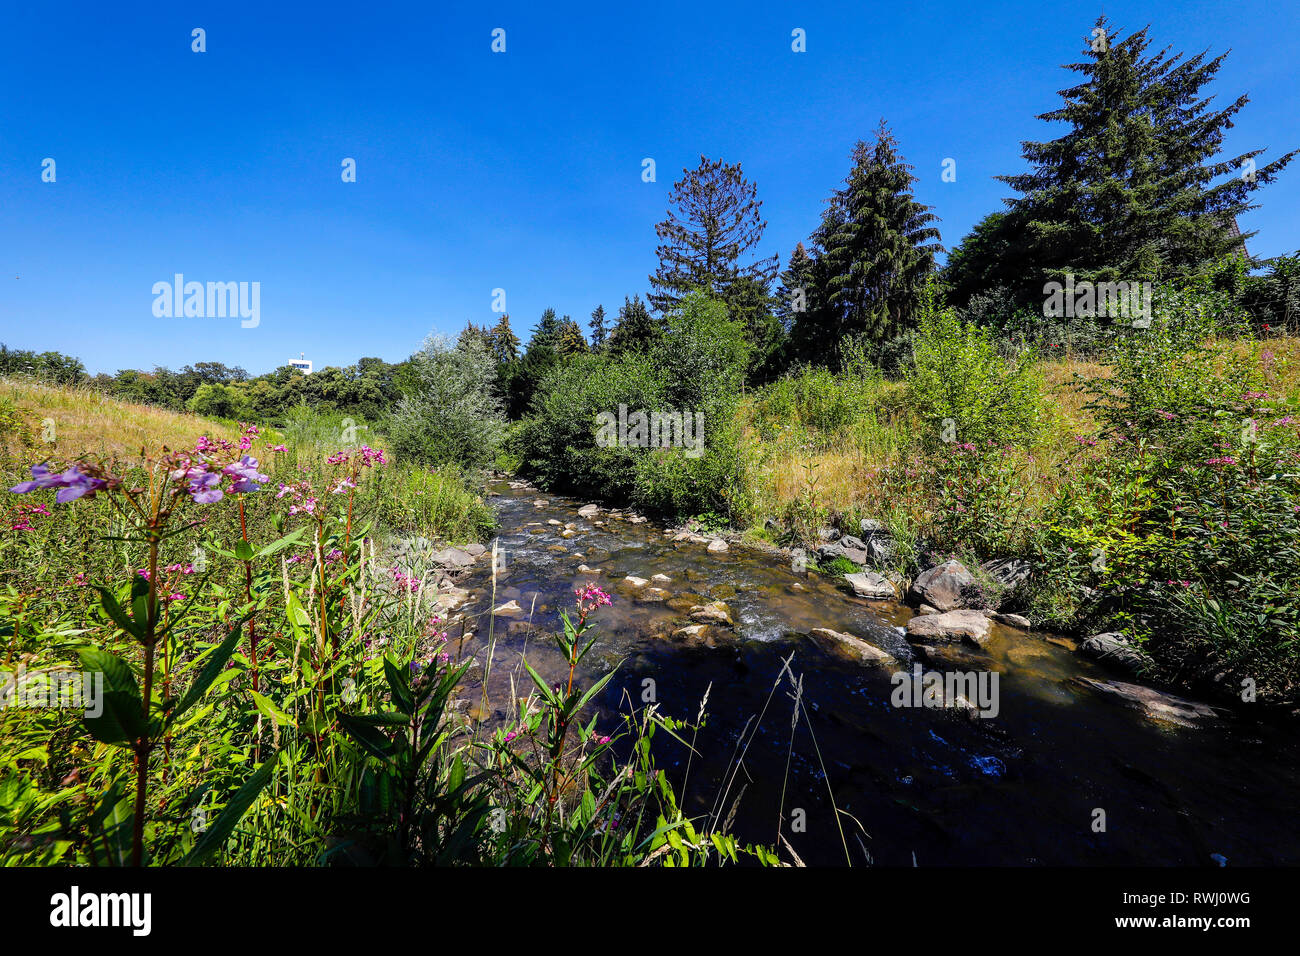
<point x="1064" y="774"/>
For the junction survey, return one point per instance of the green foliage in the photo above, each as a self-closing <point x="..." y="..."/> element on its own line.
<point x="965" y="391"/>
<point x="454" y="417"/>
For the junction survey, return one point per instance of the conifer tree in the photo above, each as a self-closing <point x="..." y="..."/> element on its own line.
<point x="599" y="333"/>
<point x="569" y="339"/>
<point x="1136" y="186"/>
<point x="636" y="330"/>
<point x="875" y="248"/>
<point x="504" y="342"/>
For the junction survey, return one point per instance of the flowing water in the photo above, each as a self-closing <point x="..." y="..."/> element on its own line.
<point x="932" y="786"/>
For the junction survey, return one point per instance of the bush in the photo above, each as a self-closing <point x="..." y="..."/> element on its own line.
<point x="965" y="392"/>
<point x="454" y="416"/>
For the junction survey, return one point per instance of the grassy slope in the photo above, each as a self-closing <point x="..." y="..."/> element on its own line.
<point x="88" y="422"/>
<point x="844" y="469"/>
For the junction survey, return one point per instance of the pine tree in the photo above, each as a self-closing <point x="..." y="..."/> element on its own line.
<point x="715" y="224"/>
<point x="1134" y="189"/>
<point x="875" y="248"/>
<point x="635" y="330"/>
<point x="599" y="333"/>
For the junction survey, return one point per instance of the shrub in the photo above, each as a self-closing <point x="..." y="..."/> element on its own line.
<point x="965" y="392"/>
<point x="453" y="417"/>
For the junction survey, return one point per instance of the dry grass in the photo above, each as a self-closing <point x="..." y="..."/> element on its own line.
<point x="843" y="472"/>
<point x="86" y="422"/>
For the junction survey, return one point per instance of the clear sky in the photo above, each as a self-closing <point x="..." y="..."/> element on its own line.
<point x="519" y="170"/>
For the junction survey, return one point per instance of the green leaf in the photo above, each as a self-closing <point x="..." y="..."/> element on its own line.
<point x="121" y="719"/>
<point x="268" y="709"/>
<point x="215" y="836"/>
<point x="211" y="670"/>
<point x="119" y="616"/>
<point x="367" y="735"/>
<point x="243" y="551"/>
<point x="281" y="544"/>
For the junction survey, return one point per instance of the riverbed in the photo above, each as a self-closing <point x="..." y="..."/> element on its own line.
<point x="1064" y="774"/>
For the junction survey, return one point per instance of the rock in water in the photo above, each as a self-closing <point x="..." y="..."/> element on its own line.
<point x="971" y="626"/>
<point x="942" y="586"/>
<point x="589" y="511"/>
<point x="452" y="558"/>
<point x="846" y="644"/>
<point x="1157" y="704"/>
<point x="1113" y="648"/>
<point x="509" y="609"/>
<point x="715" y="612"/>
<point x="873" y="586"/>
<point x="717" y="546"/>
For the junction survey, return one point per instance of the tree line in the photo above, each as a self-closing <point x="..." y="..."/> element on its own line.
<point x="1135" y="188"/>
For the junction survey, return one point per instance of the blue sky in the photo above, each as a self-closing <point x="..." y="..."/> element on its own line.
<point x="521" y="170"/>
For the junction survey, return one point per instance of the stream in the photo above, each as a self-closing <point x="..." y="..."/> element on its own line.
<point x="1064" y="774"/>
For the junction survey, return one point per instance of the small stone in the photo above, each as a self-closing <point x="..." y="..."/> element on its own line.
<point x="717" y="546"/>
<point x="715" y="612"/>
<point x="635" y="582"/>
<point x="509" y="609"/>
<point x="1014" y="620"/>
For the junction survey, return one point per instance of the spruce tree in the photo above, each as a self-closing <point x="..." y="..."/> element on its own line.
<point x="569" y="339"/>
<point x="874" y="250"/>
<point x="504" y="342"/>
<point x="636" y="330"/>
<point x="714" y="225"/>
<point x="1135" y="188"/>
<point x="599" y="333"/>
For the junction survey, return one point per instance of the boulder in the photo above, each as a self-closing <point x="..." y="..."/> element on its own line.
<point x="880" y="550"/>
<point x="583" y="569"/>
<point x="476" y="550"/>
<point x="1157" y="704"/>
<point x="872" y="586"/>
<point x="942" y="586"/>
<point x="1114" y="649"/>
<point x="635" y="581"/>
<point x="970" y="626"/>
<point x="452" y="558"/>
<point x="588" y="511"/>
<point x="840" y="550"/>
<point x="1014" y="620"/>
<point x="837" y="642"/>
<point x="716" y="612"/>
<point x="717" y="546"/>
<point x="1008" y="572"/>
<point x="661" y="579"/>
<point x="871" y="527"/>
<point x="653" y="594"/>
